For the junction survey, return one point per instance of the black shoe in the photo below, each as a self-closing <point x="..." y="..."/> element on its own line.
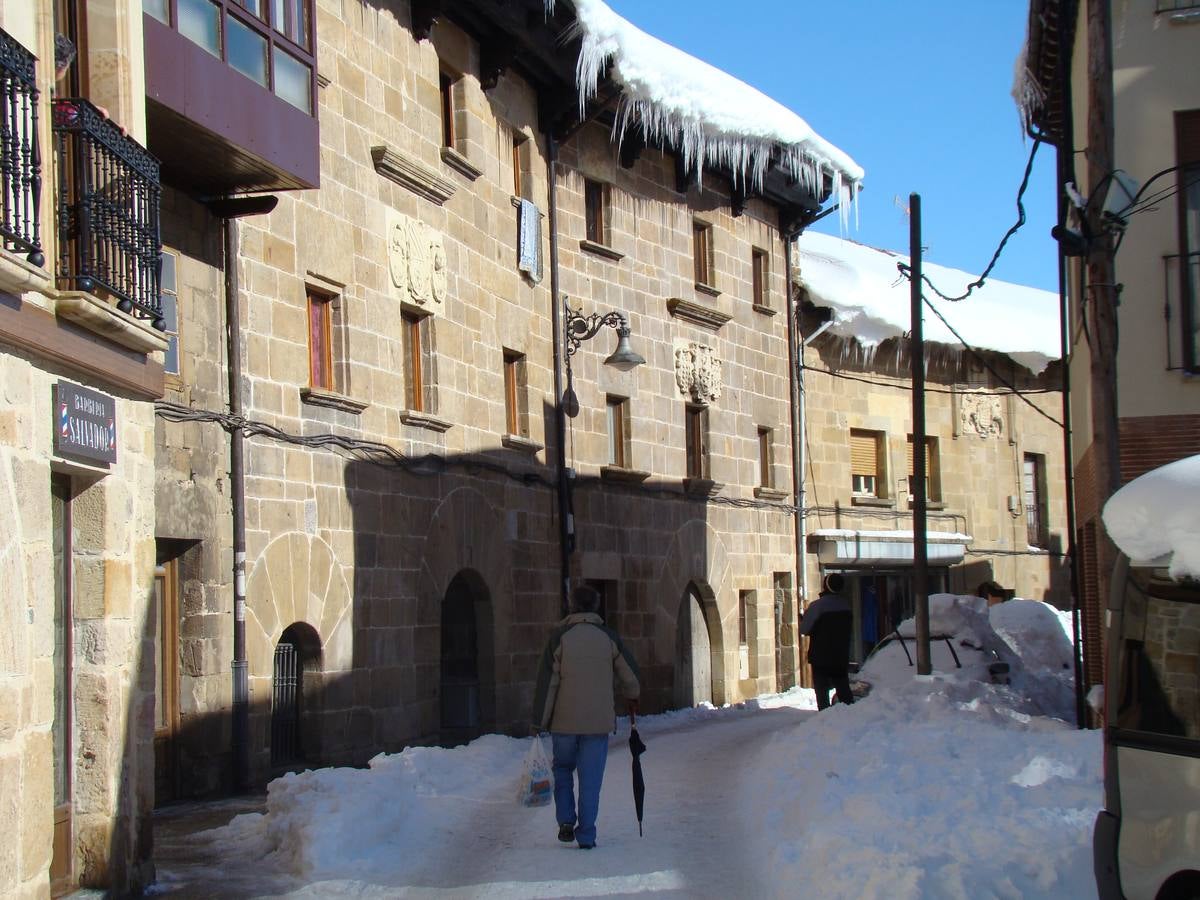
<point x="566" y="833"/>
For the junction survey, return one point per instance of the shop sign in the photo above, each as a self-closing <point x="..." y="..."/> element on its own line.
<point x="85" y="424"/>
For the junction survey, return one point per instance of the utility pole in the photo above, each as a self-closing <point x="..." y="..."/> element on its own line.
<point x="1101" y="295"/>
<point x="916" y="484"/>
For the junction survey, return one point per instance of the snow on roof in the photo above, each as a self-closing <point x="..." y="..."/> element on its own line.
<point x="1158" y="515"/>
<point x="715" y="118"/>
<point x="871" y="301"/>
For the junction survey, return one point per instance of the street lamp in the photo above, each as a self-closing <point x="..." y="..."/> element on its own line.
<point x="579" y="328"/>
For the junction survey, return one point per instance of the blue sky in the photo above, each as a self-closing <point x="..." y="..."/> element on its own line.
<point x="916" y="92"/>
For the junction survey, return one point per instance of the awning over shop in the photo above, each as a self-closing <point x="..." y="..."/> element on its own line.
<point x="846" y="547"/>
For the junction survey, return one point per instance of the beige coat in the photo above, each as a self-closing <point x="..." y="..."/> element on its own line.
<point x="585" y="657"/>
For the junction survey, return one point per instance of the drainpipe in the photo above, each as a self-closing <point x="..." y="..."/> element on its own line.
<point x="566" y="520"/>
<point x="237" y="487"/>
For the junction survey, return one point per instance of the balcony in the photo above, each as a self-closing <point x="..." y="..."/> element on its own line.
<point x="107" y="211"/>
<point x="1035" y="526"/>
<point x="20" y="155"/>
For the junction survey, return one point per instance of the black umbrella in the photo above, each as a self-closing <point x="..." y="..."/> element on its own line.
<point x="637" y="747"/>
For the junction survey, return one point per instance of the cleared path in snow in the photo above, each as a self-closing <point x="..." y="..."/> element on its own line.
<point x="692" y="846"/>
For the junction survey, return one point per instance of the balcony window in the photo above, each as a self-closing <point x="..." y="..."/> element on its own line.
<point x="765" y="469"/>
<point x="595" y="202"/>
<point x="1034" y="484"/>
<point x="274" y="51"/>
<point x="618" y="432"/>
<point x="866" y="476"/>
<point x="696" y="441"/>
<point x="933" y="492"/>
<point x="20" y="225"/>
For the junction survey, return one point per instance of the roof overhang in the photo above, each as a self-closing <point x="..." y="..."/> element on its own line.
<point x="846" y="547"/>
<point x="1048" y="48"/>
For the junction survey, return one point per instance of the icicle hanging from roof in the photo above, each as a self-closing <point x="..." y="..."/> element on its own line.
<point x="713" y="118"/>
<point x="1026" y="91"/>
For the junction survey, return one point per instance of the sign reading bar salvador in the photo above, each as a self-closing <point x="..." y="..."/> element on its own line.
<point x="85" y="423"/>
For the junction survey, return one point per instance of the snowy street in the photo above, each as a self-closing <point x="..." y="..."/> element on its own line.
<point x="945" y="786"/>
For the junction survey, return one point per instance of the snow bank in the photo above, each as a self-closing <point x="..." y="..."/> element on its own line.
<point x="871" y="301"/>
<point x="713" y="117"/>
<point x="1158" y="514"/>
<point x="934" y="788"/>
<point x="1034" y="638"/>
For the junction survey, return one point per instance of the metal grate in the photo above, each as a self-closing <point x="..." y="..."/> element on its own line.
<point x="108" y="206"/>
<point x="285" y="706"/>
<point x="20" y="153"/>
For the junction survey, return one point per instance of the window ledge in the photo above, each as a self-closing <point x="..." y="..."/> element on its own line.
<point x="411" y="174"/>
<point x="332" y="400"/>
<point x="460" y="163"/>
<point x="424" y="420"/>
<point x="18" y="275"/>
<point x="929" y="504"/>
<point x="872" y="501"/>
<point x="521" y="444"/>
<point x="704" y="316"/>
<point x="99" y="317"/>
<point x="765" y="310"/>
<point x="768" y="493"/>
<point x="702" y="288"/>
<point x="601" y="250"/>
<point x="620" y="473"/>
<point x="702" y="487"/>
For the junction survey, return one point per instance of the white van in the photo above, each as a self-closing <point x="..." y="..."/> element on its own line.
<point x="1146" y="840"/>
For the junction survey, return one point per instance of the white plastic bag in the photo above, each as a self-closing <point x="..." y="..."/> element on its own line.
<point x="537" y="782"/>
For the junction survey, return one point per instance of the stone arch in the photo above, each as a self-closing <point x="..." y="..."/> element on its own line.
<point x="467" y="535"/>
<point x="698" y="560"/>
<point x="467" y="685"/>
<point x="295" y="579"/>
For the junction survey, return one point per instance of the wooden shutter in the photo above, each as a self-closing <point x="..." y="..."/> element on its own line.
<point x="908" y="462"/>
<point x="864" y="453"/>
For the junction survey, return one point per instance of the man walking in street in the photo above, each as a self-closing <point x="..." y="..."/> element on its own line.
<point x="575" y="701"/>
<point x="828" y="623"/>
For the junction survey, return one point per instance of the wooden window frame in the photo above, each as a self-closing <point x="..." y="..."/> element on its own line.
<point x="933" y="488"/>
<point x="321" y="375"/>
<point x="696" y="447"/>
<point x="1187" y="157"/>
<point x="858" y="466"/>
<point x="702" y="253"/>
<point x="760" y="273"/>
<point x="416" y="361"/>
<point x="595" y="211"/>
<point x="1041" y="510"/>
<point x="448" y="107"/>
<point x="514" y="381"/>
<point x="766" y="469"/>
<point x="617" y="426"/>
<point x="301" y="47"/>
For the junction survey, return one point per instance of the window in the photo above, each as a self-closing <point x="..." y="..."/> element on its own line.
<point x="1187" y="131"/>
<point x="320" y="341"/>
<point x="416" y="361"/>
<point x="696" y="441"/>
<point x="759" y="273"/>
<point x="743" y="602"/>
<point x="932" y="487"/>
<point x="514" y="382"/>
<point x="268" y="41"/>
<point x="595" y="202"/>
<point x="866" y="479"/>
<point x="702" y="253"/>
<point x="170" y="313"/>
<point x="520" y="164"/>
<point x="446" y="84"/>
<point x="747" y="634"/>
<point x="1034" y="485"/>
<point x="765" y="475"/>
<point x="618" y="432"/>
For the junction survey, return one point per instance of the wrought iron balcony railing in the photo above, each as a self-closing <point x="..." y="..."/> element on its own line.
<point x="108" y="206"/>
<point x="20" y="156"/>
<point x="1035" y="531"/>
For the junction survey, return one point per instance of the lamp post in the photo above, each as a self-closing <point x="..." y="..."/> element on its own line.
<point x="578" y="328"/>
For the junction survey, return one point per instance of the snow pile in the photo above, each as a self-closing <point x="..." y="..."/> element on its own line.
<point x="871" y="302"/>
<point x="1158" y="514"/>
<point x="1032" y="637"/>
<point x="714" y="118"/>
<point x="934" y="788"/>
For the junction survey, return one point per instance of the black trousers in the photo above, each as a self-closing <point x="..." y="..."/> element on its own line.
<point x="826" y="679"/>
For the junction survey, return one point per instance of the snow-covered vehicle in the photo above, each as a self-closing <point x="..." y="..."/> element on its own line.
<point x="1146" y="841"/>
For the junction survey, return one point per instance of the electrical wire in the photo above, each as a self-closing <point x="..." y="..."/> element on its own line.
<point x="903" y="387"/>
<point x="906" y="269"/>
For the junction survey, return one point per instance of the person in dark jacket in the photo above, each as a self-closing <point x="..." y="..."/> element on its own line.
<point x="828" y="622"/>
<point x="575" y="701"/>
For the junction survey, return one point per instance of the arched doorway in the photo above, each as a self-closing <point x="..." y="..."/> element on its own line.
<point x="693" y="654"/>
<point x="468" y="705"/>
<point x="294" y="679"/>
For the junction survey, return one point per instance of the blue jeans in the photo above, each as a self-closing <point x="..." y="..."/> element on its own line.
<point x="585" y="753"/>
